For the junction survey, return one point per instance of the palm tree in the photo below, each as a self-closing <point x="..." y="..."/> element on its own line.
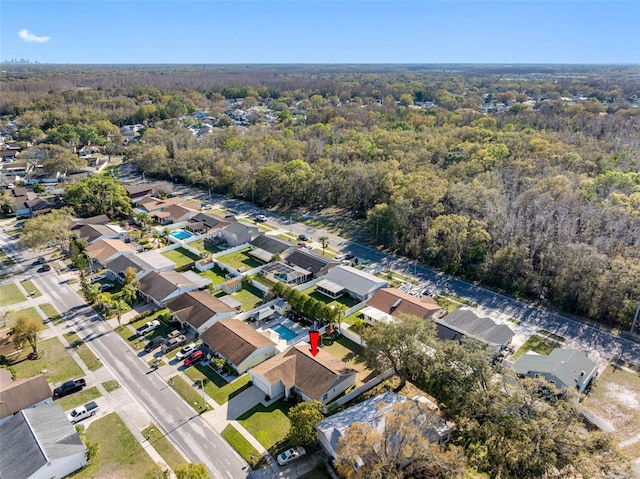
<point x="324" y="241"/>
<point x="143" y="219"/>
<point x="117" y="307"/>
<point x="130" y="292"/>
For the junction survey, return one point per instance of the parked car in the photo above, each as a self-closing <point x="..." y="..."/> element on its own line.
<point x="83" y="412"/>
<point x="97" y="278"/>
<point x="172" y="343"/>
<point x="194" y="357"/>
<point x="186" y="351"/>
<point x="261" y="218"/>
<point x="291" y="455"/>
<point x="40" y="260"/>
<point x="154" y="343"/>
<point x="338" y="257"/>
<point x="303" y="237"/>
<point x="302" y="244"/>
<point x="349" y="255"/>
<point x="206" y="207"/>
<point x="148" y="327"/>
<point x="69" y="387"/>
<point x="45" y="267"/>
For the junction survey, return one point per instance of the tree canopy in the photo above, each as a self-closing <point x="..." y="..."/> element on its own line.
<point x="97" y="195"/>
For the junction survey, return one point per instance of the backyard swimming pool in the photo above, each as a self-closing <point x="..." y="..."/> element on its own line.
<point x="284" y="332"/>
<point x="181" y="234"/>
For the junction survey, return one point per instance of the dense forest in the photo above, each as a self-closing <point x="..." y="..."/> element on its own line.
<point x="524" y="178"/>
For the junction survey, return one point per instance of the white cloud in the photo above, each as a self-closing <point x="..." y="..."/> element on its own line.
<point x="27" y="36"/>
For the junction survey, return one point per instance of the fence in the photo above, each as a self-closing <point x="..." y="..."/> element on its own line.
<point x="365" y="387"/>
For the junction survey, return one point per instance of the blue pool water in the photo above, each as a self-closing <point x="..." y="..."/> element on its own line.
<point x="284" y="332"/>
<point x="181" y="234"/>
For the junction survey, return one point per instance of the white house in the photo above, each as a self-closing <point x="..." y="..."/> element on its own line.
<point x="43" y="445"/>
<point x="237" y="342"/>
<point x="347" y="280"/>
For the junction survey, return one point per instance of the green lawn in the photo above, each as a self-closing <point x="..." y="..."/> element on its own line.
<point x="5" y="260"/>
<point x="459" y="299"/>
<point x="269" y="425"/>
<point x="87" y="356"/>
<point x="200" y="245"/>
<point x="79" y="398"/>
<point x="241" y="445"/>
<point x="240" y="259"/>
<point x="51" y="312"/>
<point x="249" y="296"/>
<point x="345" y="300"/>
<point x="120" y="454"/>
<point x="351" y="353"/>
<point x="30" y="312"/>
<point x="164" y="447"/>
<point x="449" y="306"/>
<point x="180" y="256"/>
<point x="10" y="294"/>
<point x="536" y="343"/>
<point x="188" y="393"/>
<point x="29" y="287"/>
<point x="215" y="274"/>
<point x="111" y="385"/>
<point x="214" y="385"/>
<point x="53" y="357"/>
<point x="264" y="281"/>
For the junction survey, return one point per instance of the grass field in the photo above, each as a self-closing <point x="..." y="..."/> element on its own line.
<point x="10" y="294"/>
<point x="214" y="385"/>
<point x="269" y="425"/>
<point x="29" y="287"/>
<point x="351" y="353"/>
<point x="345" y="300"/>
<point x="120" y="455"/>
<point x="53" y="357"/>
<point x="535" y="343"/>
<point x="5" y="260"/>
<point x="88" y="358"/>
<point x="79" y="398"/>
<point x="216" y="275"/>
<point x="51" y="312"/>
<point x="111" y="385"/>
<point x="180" y="256"/>
<point x="615" y="397"/>
<point x="241" y="445"/>
<point x="164" y="447"/>
<point x="249" y="296"/>
<point x="30" y="312"/>
<point x="200" y="245"/>
<point x="240" y="259"/>
<point x="449" y="306"/>
<point x="188" y="393"/>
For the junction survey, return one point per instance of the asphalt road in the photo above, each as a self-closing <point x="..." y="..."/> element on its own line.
<point x="185" y="427"/>
<point x="495" y="305"/>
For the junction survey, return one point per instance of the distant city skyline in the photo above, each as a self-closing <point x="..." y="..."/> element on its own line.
<point x="187" y="32"/>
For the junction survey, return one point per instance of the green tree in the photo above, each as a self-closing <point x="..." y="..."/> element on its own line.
<point x="143" y="219"/>
<point x="97" y="195"/>
<point x="324" y="241"/>
<point x="304" y="416"/>
<point x="41" y="230"/>
<point x="402" y="344"/>
<point x="191" y="471"/>
<point x="60" y="160"/>
<point x="5" y="202"/>
<point x="27" y="330"/>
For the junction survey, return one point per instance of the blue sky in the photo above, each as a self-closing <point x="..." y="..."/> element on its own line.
<point x="210" y="31"/>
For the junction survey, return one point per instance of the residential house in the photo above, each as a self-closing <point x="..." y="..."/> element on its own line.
<point x="77" y="223"/>
<point x="388" y="303"/>
<point x="36" y="206"/>
<point x="373" y="412"/>
<point x="142" y="263"/>
<point x="316" y="265"/>
<point x="7" y="156"/>
<point x="199" y="310"/>
<point x="206" y="224"/>
<point x="239" y="344"/>
<point x="264" y="247"/>
<point x="150" y="205"/>
<point x="43" y="445"/>
<point x="173" y="214"/>
<point x="237" y="233"/>
<point x="22" y="394"/>
<point x="105" y="250"/>
<point x="137" y="192"/>
<point x="322" y="377"/>
<point x="92" y="233"/>
<point x="160" y="287"/>
<point x="278" y="271"/>
<point x="564" y="368"/>
<point x="16" y="168"/>
<point x="464" y="323"/>
<point x="347" y="280"/>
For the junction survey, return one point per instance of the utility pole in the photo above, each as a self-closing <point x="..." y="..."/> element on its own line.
<point x="635" y="318"/>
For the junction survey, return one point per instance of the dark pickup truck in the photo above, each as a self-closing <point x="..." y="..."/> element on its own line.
<point x="69" y="387"/>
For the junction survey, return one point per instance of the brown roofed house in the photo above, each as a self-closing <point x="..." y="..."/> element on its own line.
<point x="105" y="250"/>
<point x="163" y="286"/>
<point x="388" y="303"/>
<point x="24" y="393"/>
<point x="321" y="378"/>
<point x="237" y="342"/>
<point x="199" y="310"/>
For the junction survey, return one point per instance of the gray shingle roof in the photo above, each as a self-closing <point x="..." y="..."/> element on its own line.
<point x="565" y="364"/>
<point x="355" y="280"/>
<point x="235" y="340"/>
<point x="271" y="244"/>
<point x="160" y="284"/>
<point x="38" y="435"/>
<point x="309" y="261"/>
<point x="465" y="322"/>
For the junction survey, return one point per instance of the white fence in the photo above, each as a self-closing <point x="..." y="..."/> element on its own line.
<point x="344" y="330"/>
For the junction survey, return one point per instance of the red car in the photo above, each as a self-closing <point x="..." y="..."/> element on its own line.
<point x="193" y="358"/>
